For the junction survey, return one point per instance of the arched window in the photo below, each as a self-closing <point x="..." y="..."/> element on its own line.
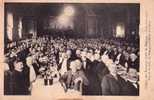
<point x="120" y="30"/>
<point x="9" y="26"/>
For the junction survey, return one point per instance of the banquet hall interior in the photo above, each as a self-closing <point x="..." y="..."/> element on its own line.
<point x="71" y="49"/>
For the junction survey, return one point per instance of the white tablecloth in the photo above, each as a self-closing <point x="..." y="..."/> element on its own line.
<point x="38" y="88"/>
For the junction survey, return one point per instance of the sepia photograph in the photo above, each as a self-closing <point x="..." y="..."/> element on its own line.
<point x="77" y="49"/>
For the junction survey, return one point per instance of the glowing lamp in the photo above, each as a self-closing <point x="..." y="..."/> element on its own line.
<point x="69" y="11"/>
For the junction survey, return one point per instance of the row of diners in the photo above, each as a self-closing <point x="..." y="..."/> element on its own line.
<point x="94" y="66"/>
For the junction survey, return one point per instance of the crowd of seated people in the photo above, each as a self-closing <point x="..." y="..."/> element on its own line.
<point x="91" y="66"/>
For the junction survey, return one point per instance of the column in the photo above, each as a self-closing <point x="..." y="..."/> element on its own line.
<point x="20" y="28"/>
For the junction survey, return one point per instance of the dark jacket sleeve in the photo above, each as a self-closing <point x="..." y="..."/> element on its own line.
<point x="105" y="86"/>
<point x="85" y="80"/>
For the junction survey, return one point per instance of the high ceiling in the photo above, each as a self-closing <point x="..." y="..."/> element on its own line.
<point x="90" y="18"/>
<point x="54" y="9"/>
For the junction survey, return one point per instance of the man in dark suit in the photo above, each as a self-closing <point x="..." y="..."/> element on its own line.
<point x="86" y="67"/>
<point x="112" y="83"/>
<point x="64" y="64"/>
<point x="131" y="87"/>
<point x="16" y="80"/>
<point x="68" y="79"/>
<point x="101" y="70"/>
<point x="133" y="61"/>
<point x="97" y="72"/>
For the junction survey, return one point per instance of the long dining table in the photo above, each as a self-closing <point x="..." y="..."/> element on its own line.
<point x="54" y="90"/>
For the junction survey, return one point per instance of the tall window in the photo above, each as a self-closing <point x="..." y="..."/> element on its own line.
<point x="120" y="30"/>
<point x="9" y="25"/>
